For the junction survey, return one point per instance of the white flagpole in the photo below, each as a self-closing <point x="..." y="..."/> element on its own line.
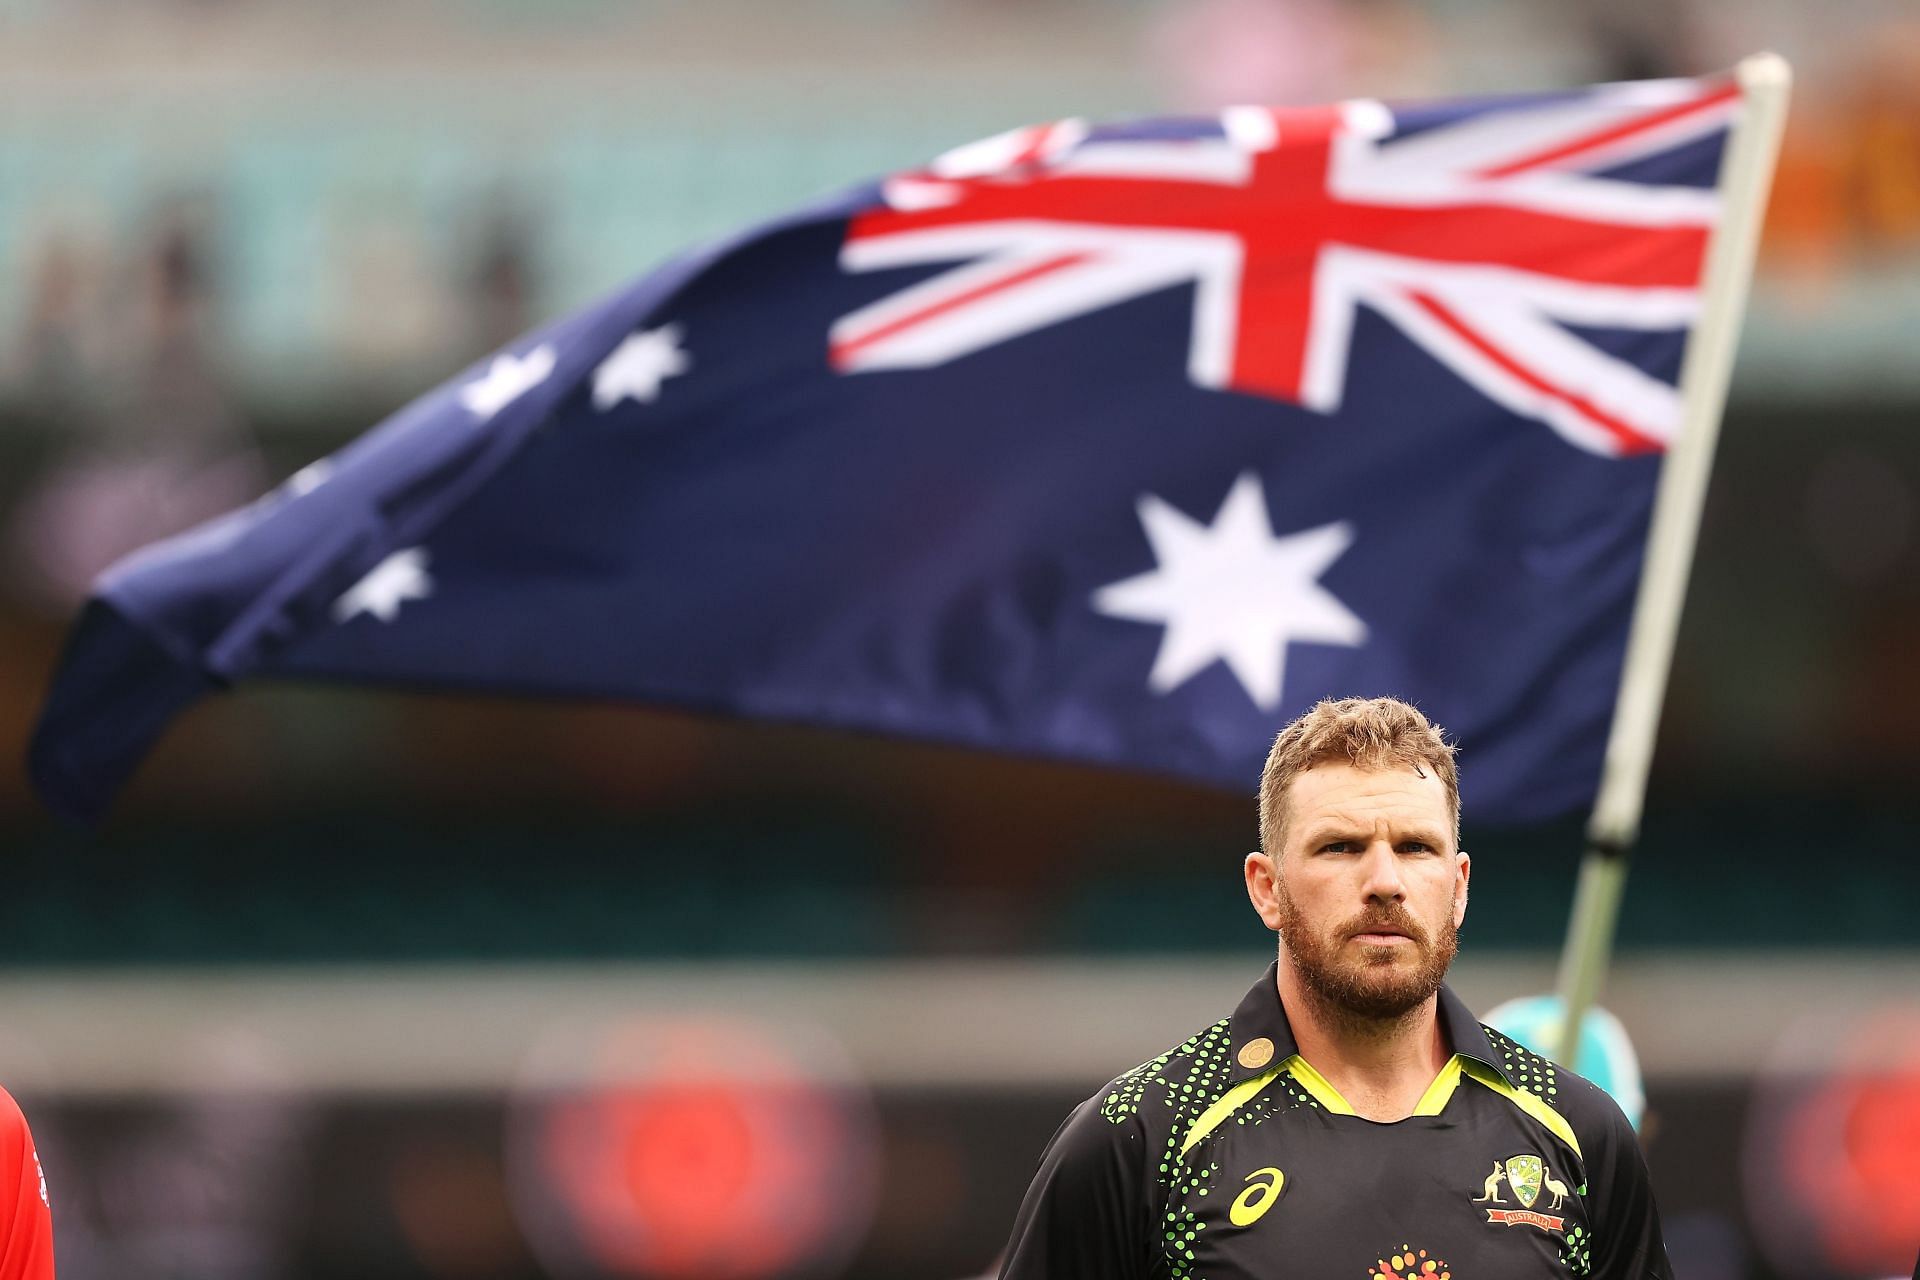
<point x="1746" y="174"/>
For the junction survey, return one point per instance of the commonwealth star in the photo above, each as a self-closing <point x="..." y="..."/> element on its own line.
<point x="1234" y="592"/>
<point x="402" y="576"/>
<point x="638" y="366"/>
<point x="507" y="379"/>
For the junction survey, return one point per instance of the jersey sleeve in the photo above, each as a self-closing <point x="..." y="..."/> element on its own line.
<point x="26" y="1222"/>
<point x="1085" y="1215"/>
<point x="1627" y="1244"/>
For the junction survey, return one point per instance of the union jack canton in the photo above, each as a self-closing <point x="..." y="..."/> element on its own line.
<point x="1478" y="231"/>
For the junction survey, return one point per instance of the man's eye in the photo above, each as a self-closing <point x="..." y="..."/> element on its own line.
<point x="1338" y="846"/>
<point x="1416" y="846"/>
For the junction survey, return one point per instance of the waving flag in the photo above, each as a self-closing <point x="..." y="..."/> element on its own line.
<point x="1115" y="443"/>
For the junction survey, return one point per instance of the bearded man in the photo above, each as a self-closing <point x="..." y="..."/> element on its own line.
<point x="1342" y="1122"/>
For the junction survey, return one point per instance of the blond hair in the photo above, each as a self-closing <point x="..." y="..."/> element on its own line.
<point x="1368" y="733"/>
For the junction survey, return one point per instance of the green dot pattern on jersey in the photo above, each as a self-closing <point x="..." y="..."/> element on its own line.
<point x="1577" y="1252"/>
<point x="1527" y="1069"/>
<point x="1186" y="1081"/>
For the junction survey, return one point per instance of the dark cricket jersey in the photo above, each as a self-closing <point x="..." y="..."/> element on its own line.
<point x="1230" y="1158"/>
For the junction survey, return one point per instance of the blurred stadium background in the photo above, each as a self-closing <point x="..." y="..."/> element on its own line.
<point x="374" y="985"/>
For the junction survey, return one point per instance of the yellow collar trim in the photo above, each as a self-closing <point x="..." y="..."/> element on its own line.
<point x="1435" y="1099"/>
<point x="1431" y="1103"/>
<point x="1226" y="1104"/>
<point x="1318" y="1086"/>
<point x="1312" y="1081"/>
<point x="1528" y="1102"/>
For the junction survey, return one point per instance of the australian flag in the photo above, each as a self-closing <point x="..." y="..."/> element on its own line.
<point x="1116" y="443"/>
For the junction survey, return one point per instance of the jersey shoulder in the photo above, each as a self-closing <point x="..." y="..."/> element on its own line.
<point x="1592" y="1114"/>
<point x="1103" y="1180"/>
<point x="1175" y="1085"/>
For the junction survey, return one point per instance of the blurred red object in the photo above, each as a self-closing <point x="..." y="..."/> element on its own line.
<point x="1833" y="1149"/>
<point x="702" y="1147"/>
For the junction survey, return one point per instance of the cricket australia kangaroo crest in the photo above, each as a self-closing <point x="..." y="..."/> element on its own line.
<point x="1526" y="1176"/>
<point x="1491" y="239"/>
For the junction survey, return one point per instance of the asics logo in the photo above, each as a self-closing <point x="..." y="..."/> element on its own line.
<point x="1266" y="1186"/>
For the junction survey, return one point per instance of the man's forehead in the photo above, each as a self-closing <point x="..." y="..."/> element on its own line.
<point x="1327" y="775"/>
<point x="1338" y="791"/>
<point x="1363" y="822"/>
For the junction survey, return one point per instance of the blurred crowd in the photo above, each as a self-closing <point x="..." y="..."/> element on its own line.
<point x="123" y="359"/>
<point x="120" y="358"/>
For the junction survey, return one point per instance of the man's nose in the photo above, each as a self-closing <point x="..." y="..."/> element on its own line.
<point x="1383" y="873"/>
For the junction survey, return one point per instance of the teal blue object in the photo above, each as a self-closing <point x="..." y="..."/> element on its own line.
<point x="1606" y="1056"/>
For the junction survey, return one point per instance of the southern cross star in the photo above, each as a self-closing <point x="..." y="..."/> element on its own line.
<point x="638" y="366"/>
<point x="1233" y="591"/>
<point x="309" y="477"/>
<point x="402" y="576"/>
<point x="507" y="379"/>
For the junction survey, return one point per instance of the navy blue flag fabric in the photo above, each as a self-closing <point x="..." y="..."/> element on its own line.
<point x="1110" y="443"/>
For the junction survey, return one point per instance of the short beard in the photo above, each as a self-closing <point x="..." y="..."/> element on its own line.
<point x="1373" y="992"/>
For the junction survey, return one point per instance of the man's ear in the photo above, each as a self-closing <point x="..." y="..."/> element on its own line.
<point x="1464" y="864"/>
<point x="1263" y="889"/>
